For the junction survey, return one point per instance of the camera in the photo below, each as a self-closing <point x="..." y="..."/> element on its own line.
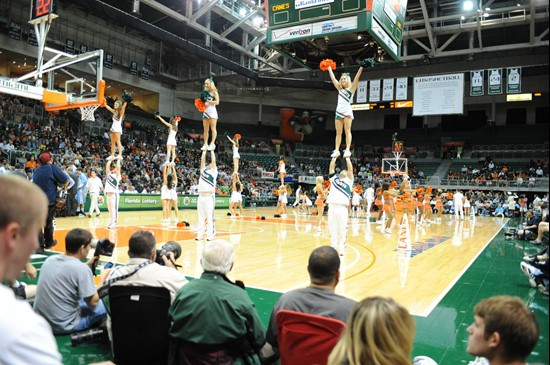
<point x="170" y="246"/>
<point x="92" y="335"/>
<point x="104" y="247"/>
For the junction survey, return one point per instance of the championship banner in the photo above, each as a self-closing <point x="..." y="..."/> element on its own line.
<point x="495" y="81"/>
<point x="401" y="88"/>
<point x="387" y="92"/>
<point x="362" y="92"/>
<point x="476" y="83"/>
<point x="513" y="80"/>
<point x="267" y="175"/>
<point x="153" y="202"/>
<point x="374" y="92"/>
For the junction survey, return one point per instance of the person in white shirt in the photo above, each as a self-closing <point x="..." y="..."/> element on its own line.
<point x="26" y="338"/>
<point x="338" y="200"/>
<point x="458" y="201"/>
<point x="112" y="190"/>
<point x="368" y="195"/>
<point x="93" y="187"/>
<point x="207" y="197"/>
<point x="298" y="196"/>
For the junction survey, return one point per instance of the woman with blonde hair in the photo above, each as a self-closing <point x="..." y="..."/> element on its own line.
<point x="210" y="115"/>
<point x="379" y="331"/>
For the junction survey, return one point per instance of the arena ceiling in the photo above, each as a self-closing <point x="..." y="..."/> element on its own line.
<point x="219" y="31"/>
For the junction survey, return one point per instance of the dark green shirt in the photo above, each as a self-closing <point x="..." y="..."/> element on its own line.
<point x="212" y="311"/>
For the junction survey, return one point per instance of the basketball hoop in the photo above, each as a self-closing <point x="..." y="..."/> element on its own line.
<point x="87" y="112"/>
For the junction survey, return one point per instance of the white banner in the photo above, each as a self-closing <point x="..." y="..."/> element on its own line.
<point x="306" y="179"/>
<point x="313" y="29"/>
<point x="268" y="174"/>
<point x="401" y="88"/>
<point x="362" y="91"/>
<point x="374" y="92"/>
<point x="387" y="92"/>
<point x="300" y="4"/>
<point x="439" y="94"/>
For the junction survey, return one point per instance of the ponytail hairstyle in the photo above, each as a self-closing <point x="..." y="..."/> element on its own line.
<point x="170" y="181"/>
<point x="318" y="182"/>
<point x="238" y="186"/>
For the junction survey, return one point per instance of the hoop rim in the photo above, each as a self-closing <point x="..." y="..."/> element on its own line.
<point x="54" y="97"/>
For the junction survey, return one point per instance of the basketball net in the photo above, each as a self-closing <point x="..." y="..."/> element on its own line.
<point x="87" y="112"/>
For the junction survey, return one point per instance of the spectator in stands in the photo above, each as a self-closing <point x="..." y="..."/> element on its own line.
<point x="379" y="331"/>
<point x="504" y="331"/>
<point x="66" y="295"/>
<point x="26" y="338"/>
<point x="215" y="320"/>
<point x="530" y="228"/>
<point x="47" y="176"/>
<point x="319" y="298"/>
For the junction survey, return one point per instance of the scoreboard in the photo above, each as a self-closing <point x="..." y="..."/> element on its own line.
<point x="295" y="20"/>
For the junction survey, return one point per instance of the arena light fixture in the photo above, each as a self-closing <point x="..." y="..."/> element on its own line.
<point x="242" y="11"/>
<point x="468" y="5"/>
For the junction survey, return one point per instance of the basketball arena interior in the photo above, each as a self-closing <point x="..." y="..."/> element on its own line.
<point x="379" y="152"/>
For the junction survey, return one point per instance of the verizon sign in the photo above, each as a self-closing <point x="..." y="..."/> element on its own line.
<point x="298" y="31"/>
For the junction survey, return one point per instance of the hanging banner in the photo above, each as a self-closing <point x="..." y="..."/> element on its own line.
<point x="374" y="92"/>
<point x="476" y="83"/>
<point x="145" y="72"/>
<point x="387" y="91"/>
<point x="32" y="38"/>
<point x="133" y="68"/>
<point x="69" y="46"/>
<point x="108" y="63"/>
<point x="495" y="81"/>
<point x="401" y="88"/>
<point x="83" y="48"/>
<point x="15" y="31"/>
<point x="513" y="80"/>
<point x="362" y="92"/>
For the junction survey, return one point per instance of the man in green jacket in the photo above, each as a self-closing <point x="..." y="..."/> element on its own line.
<point x="214" y="320"/>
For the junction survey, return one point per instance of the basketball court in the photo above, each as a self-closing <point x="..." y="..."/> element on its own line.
<point x="272" y="254"/>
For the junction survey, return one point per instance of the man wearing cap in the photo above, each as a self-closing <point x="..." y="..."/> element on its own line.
<point x="47" y="177"/>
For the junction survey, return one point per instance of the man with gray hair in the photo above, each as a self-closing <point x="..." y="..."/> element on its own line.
<point x="214" y="320"/>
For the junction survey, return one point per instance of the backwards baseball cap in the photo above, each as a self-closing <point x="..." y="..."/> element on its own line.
<point x="45" y="157"/>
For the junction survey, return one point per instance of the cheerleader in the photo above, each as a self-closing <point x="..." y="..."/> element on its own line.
<point x="355" y="202"/>
<point x="236" y="196"/>
<point x="378" y="204"/>
<point x="236" y="155"/>
<point x="168" y="193"/>
<point x="306" y="203"/>
<point x="467" y="205"/>
<point x="439" y="206"/>
<point x="210" y="115"/>
<point x="426" y="204"/>
<point x="281" y="202"/>
<point x="368" y="197"/>
<point x="112" y="190"/>
<point x="116" y="128"/>
<point x="388" y="207"/>
<point x="282" y="169"/>
<point x="172" y="131"/>
<point x="320" y="201"/>
<point x="344" y="112"/>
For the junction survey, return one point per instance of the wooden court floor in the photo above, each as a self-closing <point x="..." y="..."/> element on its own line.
<point x="272" y="254"/>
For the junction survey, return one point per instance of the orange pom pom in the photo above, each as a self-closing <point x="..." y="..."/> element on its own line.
<point x="393" y="184"/>
<point x="200" y="105"/>
<point x="177" y="118"/>
<point x="237" y="136"/>
<point x="181" y="224"/>
<point x="326" y="63"/>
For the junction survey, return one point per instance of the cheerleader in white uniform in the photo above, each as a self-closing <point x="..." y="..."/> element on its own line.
<point x="344" y="112"/>
<point x="210" y="115"/>
<point x="112" y="190"/>
<point x="171" y="143"/>
<point x="116" y="128"/>
<point x="236" y="196"/>
<point x="282" y="170"/>
<point x="236" y="155"/>
<point x="168" y="194"/>
<point x="467" y="205"/>
<point x="282" y="201"/>
<point x="355" y="202"/>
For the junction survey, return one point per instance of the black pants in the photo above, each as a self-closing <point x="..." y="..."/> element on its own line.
<point x="46" y="238"/>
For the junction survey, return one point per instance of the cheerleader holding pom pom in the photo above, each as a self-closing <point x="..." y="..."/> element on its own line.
<point x="236" y="155"/>
<point x="118" y="111"/>
<point x="210" y="98"/>
<point x="344" y="113"/>
<point x="171" y="143"/>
